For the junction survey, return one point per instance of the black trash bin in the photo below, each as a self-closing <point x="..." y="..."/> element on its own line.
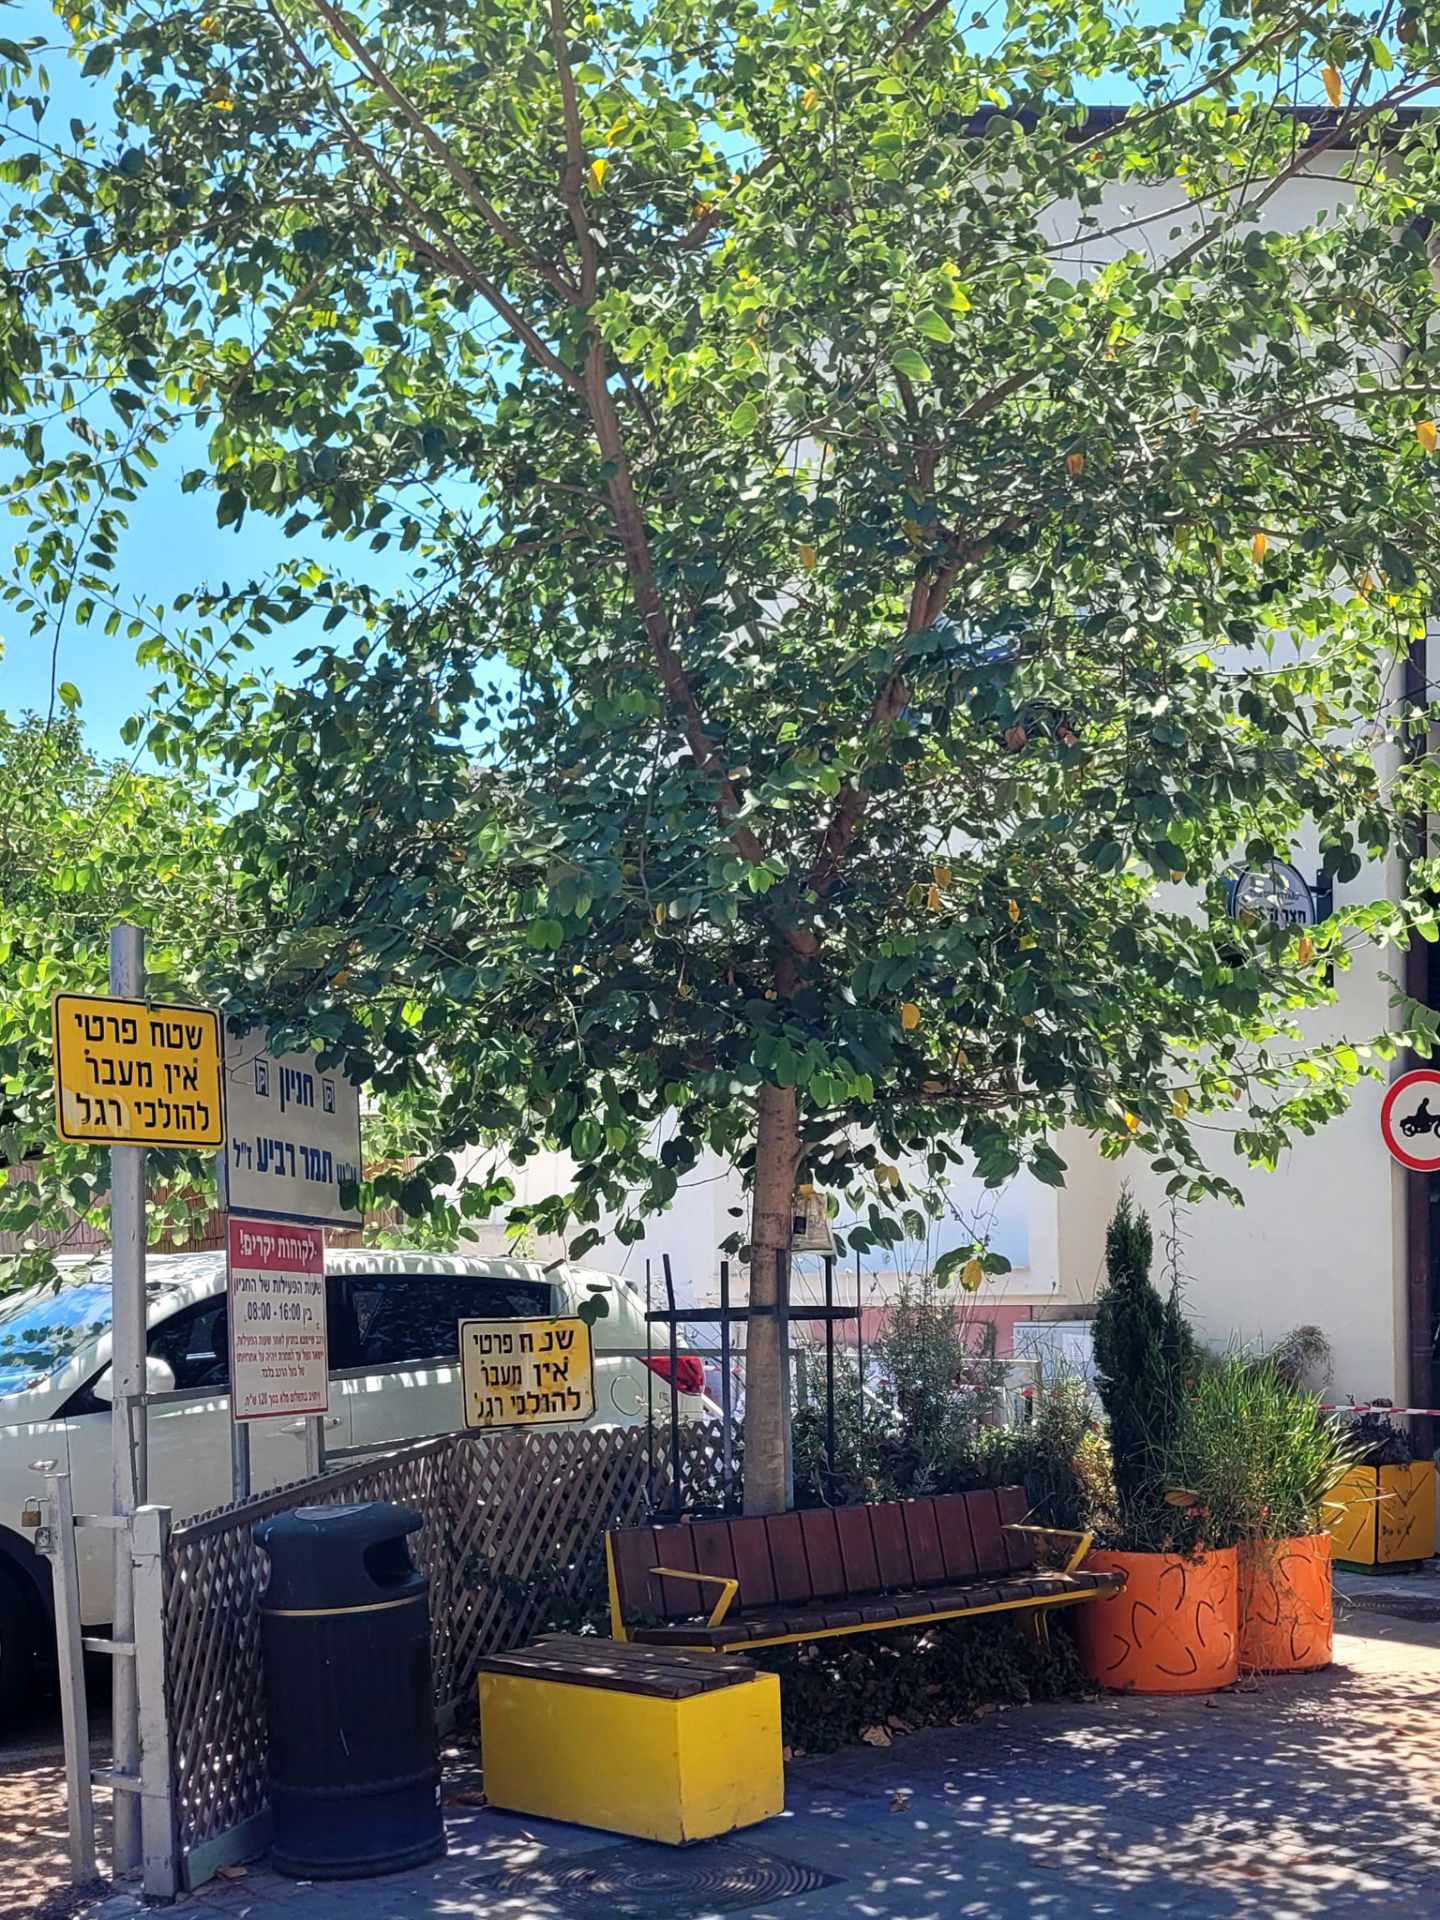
<point x="354" y="1752"/>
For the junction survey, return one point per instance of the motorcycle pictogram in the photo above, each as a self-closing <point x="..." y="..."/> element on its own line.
<point x="1420" y="1121"/>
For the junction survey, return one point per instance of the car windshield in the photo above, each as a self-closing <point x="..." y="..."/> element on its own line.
<point x="41" y="1331"/>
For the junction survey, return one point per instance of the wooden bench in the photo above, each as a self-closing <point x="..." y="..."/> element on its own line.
<point x="730" y="1585"/>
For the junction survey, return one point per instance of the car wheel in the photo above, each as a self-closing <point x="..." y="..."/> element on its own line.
<point x="19" y="1645"/>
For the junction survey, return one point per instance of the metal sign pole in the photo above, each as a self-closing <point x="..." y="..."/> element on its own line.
<point x="239" y="1429"/>
<point x="127" y="1437"/>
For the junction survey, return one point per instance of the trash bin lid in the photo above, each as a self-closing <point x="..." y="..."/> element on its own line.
<point x="322" y="1557"/>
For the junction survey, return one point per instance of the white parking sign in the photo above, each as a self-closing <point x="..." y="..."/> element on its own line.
<point x="293" y="1135"/>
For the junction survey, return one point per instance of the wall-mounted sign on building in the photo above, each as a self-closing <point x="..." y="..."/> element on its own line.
<point x="1410" y="1120"/>
<point x="526" y="1373"/>
<point x="293" y="1138"/>
<point x="128" y="1073"/>
<point x="1277" y="892"/>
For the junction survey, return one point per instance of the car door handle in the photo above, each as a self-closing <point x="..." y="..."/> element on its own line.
<point x="299" y="1426"/>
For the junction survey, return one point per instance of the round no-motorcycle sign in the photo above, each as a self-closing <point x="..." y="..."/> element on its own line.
<point x="1410" y="1120"/>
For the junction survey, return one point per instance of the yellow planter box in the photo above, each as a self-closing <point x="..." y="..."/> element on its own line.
<point x="659" y="1764"/>
<point x="1387" y="1514"/>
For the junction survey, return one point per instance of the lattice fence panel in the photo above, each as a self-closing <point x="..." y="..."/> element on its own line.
<point x="512" y="1539"/>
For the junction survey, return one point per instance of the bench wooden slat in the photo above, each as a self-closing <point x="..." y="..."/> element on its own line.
<point x="892" y="1555"/>
<point x="787" y="1557"/>
<point x="635" y="1553"/>
<point x="822" y="1552"/>
<point x="922" y="1535"/>
<point x="984" y="1510"/>
<point x="751" y="1550"/>
<point x="713" y="1554"/>
<point x="675" y="1547"/>
<point x="957" y="1547"/>
<point x="857" y="1549"/>
<point x="1019" y="1547"/>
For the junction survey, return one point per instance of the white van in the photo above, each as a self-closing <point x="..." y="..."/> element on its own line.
<point x="394" y="1361"/>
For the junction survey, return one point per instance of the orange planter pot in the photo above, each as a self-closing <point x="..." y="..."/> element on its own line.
<point x="1173" y="1629"/>
<point x="1287" y="1605"/>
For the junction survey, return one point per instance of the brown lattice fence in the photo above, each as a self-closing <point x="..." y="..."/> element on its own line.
<point x="512" y="1540"/>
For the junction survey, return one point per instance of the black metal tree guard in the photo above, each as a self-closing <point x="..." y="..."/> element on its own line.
<point x="725" y="1317"/>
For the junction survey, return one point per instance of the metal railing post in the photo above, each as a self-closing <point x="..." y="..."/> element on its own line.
<point x="128" y="1446"/>
<point x="57" y="1542"/>
<point x="726" y="1411"/>
<point x="830" y="1376"/>
<point x="677" y="1474"/>
<point x="150" y="1547"/>
<point x="782" y="1310"/>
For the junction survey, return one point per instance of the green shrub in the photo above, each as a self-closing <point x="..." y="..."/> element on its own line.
<point x="1146" y="1358"/>
<point x="833" y="1691"/>
<point x="916" y="1430"/>
<point x="1255" y="1453"/>
<point x="1060" y="1456"/>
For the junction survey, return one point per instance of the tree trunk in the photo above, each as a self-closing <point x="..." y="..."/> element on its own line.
<point x="769" y="1479"/>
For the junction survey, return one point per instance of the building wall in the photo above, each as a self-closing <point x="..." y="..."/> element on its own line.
<point x="1319" y="1241"/>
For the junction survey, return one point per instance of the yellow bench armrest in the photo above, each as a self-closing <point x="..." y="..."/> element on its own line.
<point x="722" y="1605"/>
<point x="1085" y="1539"/>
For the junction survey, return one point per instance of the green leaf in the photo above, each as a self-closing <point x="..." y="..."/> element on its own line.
<point x="909" y="363"/>
<point x="745" y="418"/>
<point x="935" y="326"/>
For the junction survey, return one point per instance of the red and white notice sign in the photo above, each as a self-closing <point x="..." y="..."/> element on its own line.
<point x="279" y="1359"/>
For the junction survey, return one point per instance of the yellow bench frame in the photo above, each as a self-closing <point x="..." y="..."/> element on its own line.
<point x="1037" y="1606"/>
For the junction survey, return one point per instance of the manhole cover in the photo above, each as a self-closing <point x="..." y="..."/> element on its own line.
<point x="635" y="1881"/>
<point x="1400" y="1604"/>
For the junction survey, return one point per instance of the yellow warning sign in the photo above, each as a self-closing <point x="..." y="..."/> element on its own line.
<point x="131" y="1074"/>
<point x="526" y="1373"/>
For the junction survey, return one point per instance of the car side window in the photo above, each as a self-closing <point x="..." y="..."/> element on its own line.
<point x="195" y="1344"/>
<point x="392" y="1319"/>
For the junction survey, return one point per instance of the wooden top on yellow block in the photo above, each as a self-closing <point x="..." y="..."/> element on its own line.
<point x="584" y="1660"/>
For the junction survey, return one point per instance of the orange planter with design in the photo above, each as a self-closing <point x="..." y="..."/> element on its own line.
<point x="1287" y="1605"/>
<point x="1173" y="1628"/>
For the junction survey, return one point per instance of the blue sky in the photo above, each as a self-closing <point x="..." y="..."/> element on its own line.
<point x="173" y="544"/>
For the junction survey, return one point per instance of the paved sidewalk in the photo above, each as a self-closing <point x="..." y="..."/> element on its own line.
<point x="1316" y="1795"/>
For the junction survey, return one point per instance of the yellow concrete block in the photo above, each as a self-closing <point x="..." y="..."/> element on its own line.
<point x="670" y="1770"/>
<point x="1407" y="1515"/>
<point x="1353" y="1526"/>
<point x="1387" y="1514"/>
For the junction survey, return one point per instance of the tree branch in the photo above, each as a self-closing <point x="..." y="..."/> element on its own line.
<point x="439" y="248"/>
<point x="927" y="603"/>
<point x="909" y="34"/>
<point x="572" y="179"/>
<point x="630" y="525"/>
<point x="706" y="224"/>
<point x="458" y="172"/>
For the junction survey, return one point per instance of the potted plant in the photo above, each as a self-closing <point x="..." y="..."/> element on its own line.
<point x="1384" y="1502"/>
<point x="1257" y="1456"/>
<point x="1174" y="1627"/>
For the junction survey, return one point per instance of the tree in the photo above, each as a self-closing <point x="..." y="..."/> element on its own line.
<point x="859" y="555"/>
<point x="1145" y="1355"/>
<point x="84" y="844"/>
